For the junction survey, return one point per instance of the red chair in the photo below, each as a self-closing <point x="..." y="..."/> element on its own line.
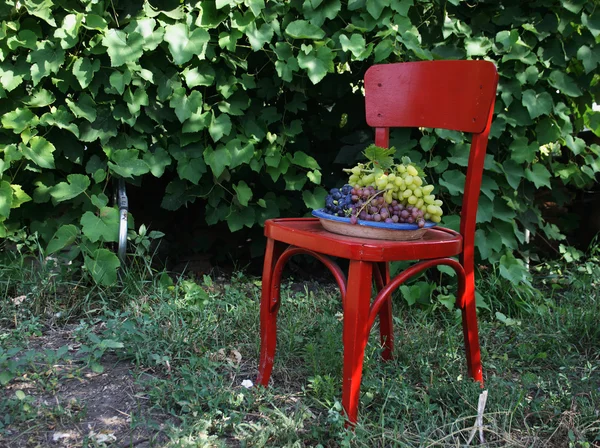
<point x="456" y="95"/>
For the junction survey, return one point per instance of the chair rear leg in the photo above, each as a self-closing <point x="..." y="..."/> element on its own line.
<point x="470" y="332"/>
<point x="269" y="306"/>
<point x="356" y="332"/>
<point x="386" y="328"/>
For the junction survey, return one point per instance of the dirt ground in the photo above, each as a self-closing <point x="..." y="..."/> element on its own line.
<point x="86" y="409"/>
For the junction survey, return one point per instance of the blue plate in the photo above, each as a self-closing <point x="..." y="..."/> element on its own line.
<point x="320" y="213"/>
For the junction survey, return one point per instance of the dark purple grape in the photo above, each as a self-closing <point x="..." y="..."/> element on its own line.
<point x="377" y="217"/>
<point x="404" y="213"/>
<point x="395" y="218"/>
<point x="354" y="198"/>
<point x="421" y="223"/>
<point x="410" y="220"/>
<point x="384" y="213"/>
<point x="353" y="219"/>
<point x="369" y="218"/>
<point x="362" y="215"/>
<point x="389" y="220"/>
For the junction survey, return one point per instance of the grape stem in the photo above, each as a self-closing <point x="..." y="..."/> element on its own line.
<point x="349" y="170"/>
<point x="370" y="199"/>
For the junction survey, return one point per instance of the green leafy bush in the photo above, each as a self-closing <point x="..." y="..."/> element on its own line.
<point x="247" y="106"/>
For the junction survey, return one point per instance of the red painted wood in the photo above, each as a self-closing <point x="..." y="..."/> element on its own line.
<point x="308" y="233"/>
<point x="268" y="316"/>
<point x="433" y="94"/>
<point x="356" y="333"/>
<point x="457" y="95"/>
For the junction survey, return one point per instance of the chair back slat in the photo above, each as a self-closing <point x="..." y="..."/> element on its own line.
<point x="454" y="95"/>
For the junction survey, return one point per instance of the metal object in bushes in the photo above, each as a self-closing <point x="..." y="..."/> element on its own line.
<point x="123" y="204"/>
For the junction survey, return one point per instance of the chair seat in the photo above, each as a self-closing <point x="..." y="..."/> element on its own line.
<point x="308" y="233"/>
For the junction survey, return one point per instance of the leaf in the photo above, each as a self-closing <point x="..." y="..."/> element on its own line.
<point x="45" y="60"/>
<point x="136" y="99"/>
<point x="539" y="175"/>
<point x="157" y="161"/>
<point x="75" y="185"/>
<point x="537" y="104"/>
<point x="183" y="45"/>
<point x="40" y="98"/>
<point x="203" y="75"/>
<point x="317" y="63"/>
<point x="314" y="199"/>
<point x="39" y="151"/>
<point x="258" y="37"/>
<point x="94" y="22"/>
<point x="589" y="57"/>
<point x="125" y="163"/>
<point x="217" y="159"/>
<point x="64" y="236"/>
<point x="185" y="106"/>
<point x="355" y="44"/>
<point x="522" y="151"/>
<point x="375" y="7"/>
<point x="241" y="152"/>
<point x="19" y="119"/>
<point x="67" y="34"/>
<point x="83" y="107"/>
<point x="514" y="173"/>
<point x="122" y="47"/>
<point x="25" y="39"/>
<point x="305" y="161"/>
<point x="485" y="210"/>
<point x="20" y="394"/>
<point x="244" y="217"/>
<point x="119" y="80"/>
<point x="102" y="227"/>
<point x="301" y="29"/>
<point x="564" y="83"/>
<point x="102" y="265"/>
<point x="256" y="6"/>
<point x="84" y="70"/>
<point x="454" y="181"/>
<point x="145" y="27"/>
<point x="6" y="195"/>
<point x="219" y="126"/>
<point x="243" y="193"/>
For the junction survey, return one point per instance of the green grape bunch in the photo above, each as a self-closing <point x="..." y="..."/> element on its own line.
<point x="401" y="184"/>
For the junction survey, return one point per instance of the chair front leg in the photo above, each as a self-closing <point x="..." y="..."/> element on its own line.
<point x="386" y="326"/>
<point x="466" y="299"/>
<point x="356" y="333"/>
<point x="268" y="312"/>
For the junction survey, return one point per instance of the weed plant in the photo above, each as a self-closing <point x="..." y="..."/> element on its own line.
<point x="193" y="343"/>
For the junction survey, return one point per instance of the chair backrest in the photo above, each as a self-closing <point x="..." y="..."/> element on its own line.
<point x="456" y="95"/>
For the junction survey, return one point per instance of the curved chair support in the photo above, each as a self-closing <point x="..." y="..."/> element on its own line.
<point x="337" y="272"/>
<point x="385" y="294"/>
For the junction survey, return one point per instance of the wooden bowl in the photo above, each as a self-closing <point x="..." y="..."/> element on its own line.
<point x="370" y="229"/>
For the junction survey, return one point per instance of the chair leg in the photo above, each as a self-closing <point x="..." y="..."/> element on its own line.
<point x="386" y="328"/>
<point x="268" y="312"/>
<point x="469" y="320"/>
<point x="356" y="332"/>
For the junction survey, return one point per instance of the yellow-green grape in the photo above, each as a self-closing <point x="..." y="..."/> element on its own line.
<point x="420" y="203"/>
<point x="407" y="193"/>
<point x="388" y="196"/>
<point x="432" y="210"/>
<point x="429" y="199"/>
<point x="427" y="216"/>
<point x="417" y="181"/>
<point x="391" y="177"/>
<point x="368" y="179"/>
<point x="438" y="203"/>
<point x="412" y="200"/>
<point x="353" y="179"/>
<point x="435" y="218"/>
<point x="410" y="169"/>
<point x="427" y="189"/>
<point x="418" y="192"/>
<point x="400" y="183"/>
<point x="401" y="168"/>
<point x="408" y="180"/>
<point x="381" y="182"/>
<point x="356" y="170"/>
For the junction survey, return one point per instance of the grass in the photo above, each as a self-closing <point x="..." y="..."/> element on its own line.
<point x="192" y="342"/>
